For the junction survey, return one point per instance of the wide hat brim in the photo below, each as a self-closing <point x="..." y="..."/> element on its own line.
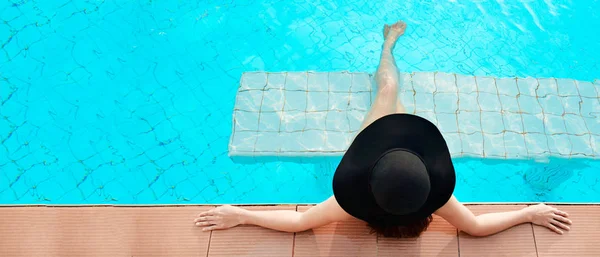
<point x="351" y="185"/>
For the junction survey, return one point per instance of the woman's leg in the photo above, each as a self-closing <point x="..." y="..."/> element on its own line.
<point x="386" y="77"/>
<point x="386" y="102"/>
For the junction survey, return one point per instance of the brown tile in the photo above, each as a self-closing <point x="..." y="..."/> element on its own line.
<point x="166" y="231"/>
<point x="516" y="241"/>
<point x="351" y="238"/>
<point x="169" y="231"/>
<point x="252" y="240"/>
<point x="63" y="231"/>
<point x="440" y="239"/>
<point x="582" y="240"/>
<point x="27" y="231"/>
<point x="86" y="231"/>
<point x="101" y="231"/>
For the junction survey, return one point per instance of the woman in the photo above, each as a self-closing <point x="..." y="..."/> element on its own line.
<point x="396" y="173"/>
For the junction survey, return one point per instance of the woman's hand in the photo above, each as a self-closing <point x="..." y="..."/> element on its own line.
<point x="222" y="217"/>
<point x="550" y="217"/>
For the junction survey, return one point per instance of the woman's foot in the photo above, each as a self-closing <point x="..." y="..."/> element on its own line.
<point x="391" y="33"/>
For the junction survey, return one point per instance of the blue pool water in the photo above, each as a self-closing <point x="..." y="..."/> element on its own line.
<point x="115" y="102"/>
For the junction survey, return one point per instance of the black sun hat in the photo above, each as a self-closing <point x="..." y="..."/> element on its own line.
<point x="398" y="170"/>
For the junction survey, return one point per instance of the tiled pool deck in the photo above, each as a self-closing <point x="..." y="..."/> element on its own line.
<point x="319" y="113"/>
<point x="169" y="231"/>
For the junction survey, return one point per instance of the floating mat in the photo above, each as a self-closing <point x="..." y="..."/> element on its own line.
<point x="311" y="114"/>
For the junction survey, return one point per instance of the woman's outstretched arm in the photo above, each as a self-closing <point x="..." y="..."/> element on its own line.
<point x="227" y="216"/>
<point x="491" y="223"/>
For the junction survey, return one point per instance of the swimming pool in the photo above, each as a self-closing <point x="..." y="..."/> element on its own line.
<point x="106" y="102"/>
